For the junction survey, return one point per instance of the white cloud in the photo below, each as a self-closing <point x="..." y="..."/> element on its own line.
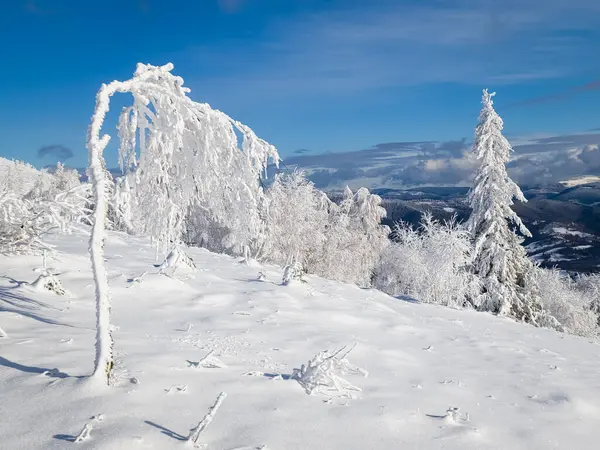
<point x="395" y="165"/>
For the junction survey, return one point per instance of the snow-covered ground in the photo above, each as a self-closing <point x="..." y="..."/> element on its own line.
<point x="580" y="180"/>
<point x="517" y="387"/>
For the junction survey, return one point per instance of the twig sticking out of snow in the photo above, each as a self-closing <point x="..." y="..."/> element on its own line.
<point x="206" y="358"/>
<point x="323" y="374"/>
<point x="3" y="333"/>
<point x="85" y="433"/>
<point x="195" y="432"/>
<point x="138" y="279"/>
<point x="261" y="276"/>
<point x="453" y="414"/>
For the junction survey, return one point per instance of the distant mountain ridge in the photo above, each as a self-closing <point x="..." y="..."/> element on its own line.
<point x="564" y="221"/>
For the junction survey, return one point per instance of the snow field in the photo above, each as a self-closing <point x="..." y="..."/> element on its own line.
<point x="516" y="387"/>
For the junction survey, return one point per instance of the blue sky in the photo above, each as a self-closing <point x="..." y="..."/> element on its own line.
<point x="305" y="74"/>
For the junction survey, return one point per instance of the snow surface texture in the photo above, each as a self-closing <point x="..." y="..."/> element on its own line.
<point x="438" y="378"/>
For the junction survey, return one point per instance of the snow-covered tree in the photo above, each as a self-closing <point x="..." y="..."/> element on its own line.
<point x="19" y="177"/>
<point x="26" y="219"/>
<point x="355" y="239"/>
<point x="568" y="301"/>
<point x="201" y="230"/>
<point x="589" y="285"/>
<point x="181" y="155"/>
<point x="297" y="220"/>
<point x="340" y="242"/>
<point x="499" y="259"/>
<point x="64" y="179"/>
<point x="430" y="264"/>
<point x="177" y="155"/>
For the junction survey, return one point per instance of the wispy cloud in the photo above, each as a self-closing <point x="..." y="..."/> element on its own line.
<point x="403" y="44"/>
<point x="591" y="86"/>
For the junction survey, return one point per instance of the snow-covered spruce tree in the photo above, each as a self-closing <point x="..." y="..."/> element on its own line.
<point x="499" y="258"/>
<point x="177" y="155"/>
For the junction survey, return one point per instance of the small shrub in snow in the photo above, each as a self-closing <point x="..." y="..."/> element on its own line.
<point x="589" y="285"/>
<point x="48" y="282"/>
<point x="292" y="272"/>
<point x="176" y="259"/>
<point x="323" y="374"/>
<point x="568" y="302"/>
<point x="429" y="264"/>
<point x="25" y="220"/>
<point x="453" y="415"/>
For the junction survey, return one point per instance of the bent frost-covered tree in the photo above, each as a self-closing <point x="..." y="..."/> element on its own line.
<point x="178" y="155"/>
<point x="500" y="260"/>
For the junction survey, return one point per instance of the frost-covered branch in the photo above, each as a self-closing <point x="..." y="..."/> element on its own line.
<point x="208" y="418"/>
<point x="323" y="374"/>
<point x="85" y="433"/>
